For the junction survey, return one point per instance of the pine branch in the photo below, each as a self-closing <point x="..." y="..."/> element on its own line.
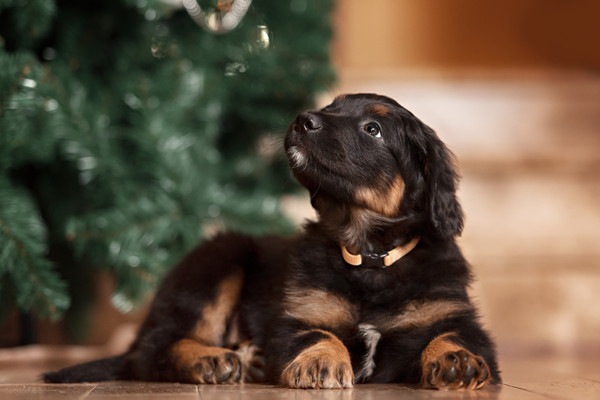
<point x="23" y="263"/>
<point x="135" y="131"/>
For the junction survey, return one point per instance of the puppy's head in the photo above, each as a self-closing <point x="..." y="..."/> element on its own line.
<point x="365" y="151"/>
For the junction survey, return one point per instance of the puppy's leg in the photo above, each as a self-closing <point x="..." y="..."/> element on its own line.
<point x="188" y="334"/>
<point x="319" y="360"/>
<point x="452" y="352"/>
<point x="446" y="364"/>
<point x="200" y="357"/>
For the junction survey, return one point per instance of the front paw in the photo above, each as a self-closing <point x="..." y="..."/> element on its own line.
<point x="321" y="366"/>
<point x="456" y="370"/>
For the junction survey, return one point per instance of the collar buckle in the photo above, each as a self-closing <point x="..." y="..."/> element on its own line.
<point x="375" y="256"/>
<point x="379" y="260"/>
<point x="374" y="260"/>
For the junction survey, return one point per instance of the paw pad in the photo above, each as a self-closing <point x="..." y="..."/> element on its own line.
<point x="456" y="370"/>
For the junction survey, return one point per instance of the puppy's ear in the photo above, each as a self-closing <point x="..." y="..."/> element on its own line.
<point x="441" y="181"/>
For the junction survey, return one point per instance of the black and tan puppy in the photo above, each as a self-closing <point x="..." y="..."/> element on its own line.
<point x="374" y="291"/>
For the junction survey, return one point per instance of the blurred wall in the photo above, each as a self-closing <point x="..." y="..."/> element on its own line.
<point x="388" y="34"/>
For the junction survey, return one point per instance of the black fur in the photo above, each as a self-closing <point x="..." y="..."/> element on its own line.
<point x="378" y="178"/>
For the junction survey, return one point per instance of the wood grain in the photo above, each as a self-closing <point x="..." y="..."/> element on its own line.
<point x="544" y="378"/>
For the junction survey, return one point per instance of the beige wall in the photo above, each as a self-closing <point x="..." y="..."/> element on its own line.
<point x="391" y="34"/>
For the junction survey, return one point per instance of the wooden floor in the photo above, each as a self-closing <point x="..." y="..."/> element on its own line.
<point x="549" y="378"/>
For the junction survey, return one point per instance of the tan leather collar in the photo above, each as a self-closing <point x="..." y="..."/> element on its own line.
<point x="388" y="259"/>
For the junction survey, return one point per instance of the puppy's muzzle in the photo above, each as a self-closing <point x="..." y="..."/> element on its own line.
<point x="307" y="122"/>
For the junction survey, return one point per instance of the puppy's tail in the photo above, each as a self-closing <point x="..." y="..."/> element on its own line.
<point x="104" y="369"/>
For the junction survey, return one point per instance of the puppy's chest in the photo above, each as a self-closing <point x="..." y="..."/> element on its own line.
<point x="362" y="324"/>
<point x="321" y="308"/>
<point x="325" y="309"/>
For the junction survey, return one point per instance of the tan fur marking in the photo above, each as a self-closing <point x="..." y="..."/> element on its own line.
<point x="418" y="314"/>
<point x="380" y="110"/>
<point x="319" y="308"/>
<point x="360" y="222"/>
<point x="213" y="319"/>
<point x="328" y="354"/>
<point x="186" y="352"/>
<point x="438" y="347"/>
<point x="384" y="202"/>
<point x="233" y="336"/>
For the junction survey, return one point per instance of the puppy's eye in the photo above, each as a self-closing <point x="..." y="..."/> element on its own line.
<point x="373" y="129"/>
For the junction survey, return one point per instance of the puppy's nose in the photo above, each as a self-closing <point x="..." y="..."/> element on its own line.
<point x="308" y="122"/>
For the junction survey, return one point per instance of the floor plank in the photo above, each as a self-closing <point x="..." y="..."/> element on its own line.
<point x="550" y="381"/>
<point x="143" y="390"/>
<point x="45" y="391"/>
<point x="140" y="390"/>
<point x="378" y="392"/>
<point x="529" y="379"/>
<point x="266" y="392"/>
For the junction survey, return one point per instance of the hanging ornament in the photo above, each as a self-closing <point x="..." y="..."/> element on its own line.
<point x="262" y="37"/>
<point x="225" y="17"/>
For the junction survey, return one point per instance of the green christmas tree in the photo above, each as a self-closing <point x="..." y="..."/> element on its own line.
<point x="127" y="132"/>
